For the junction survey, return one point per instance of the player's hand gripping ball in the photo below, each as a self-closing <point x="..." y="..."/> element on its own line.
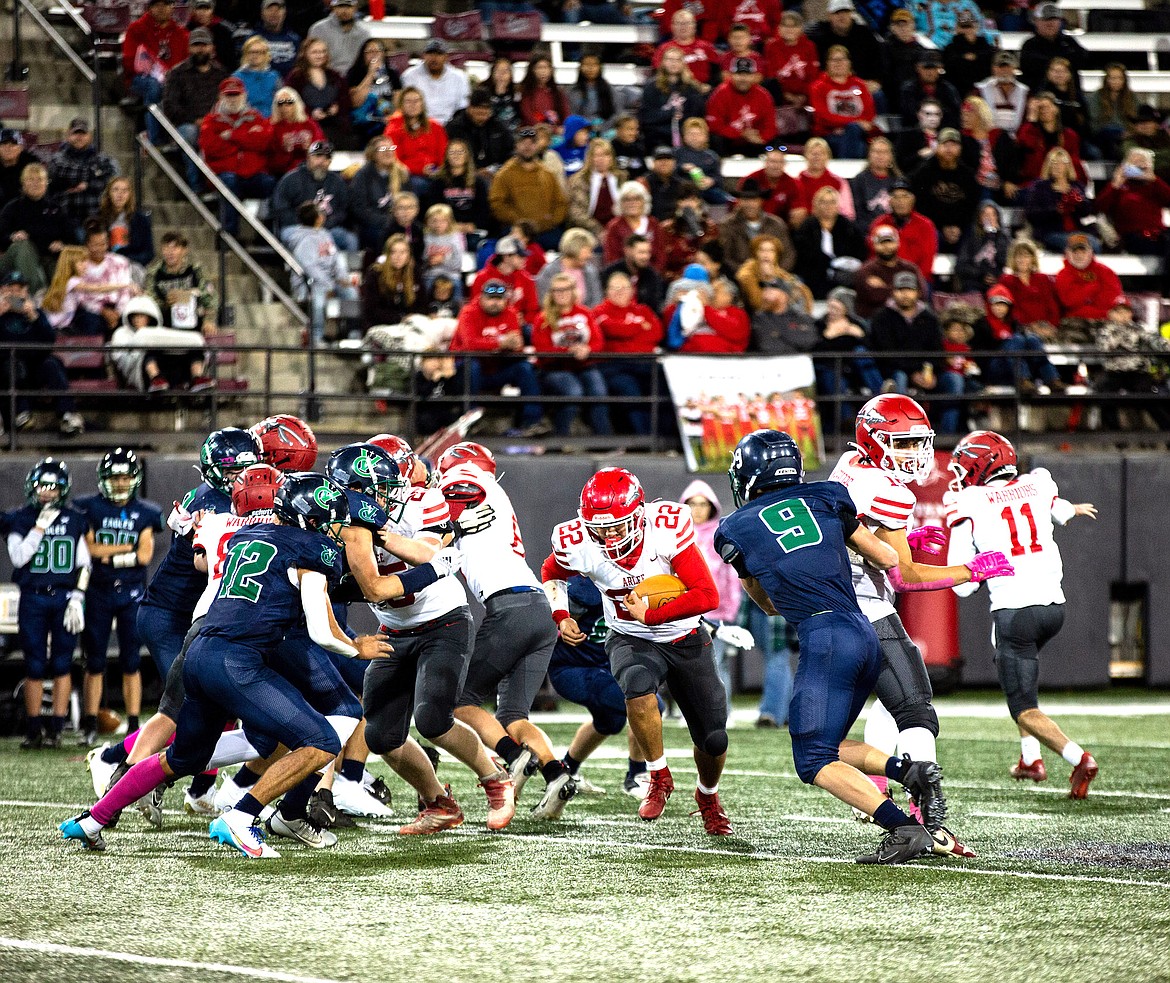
<point x="659" y="589"/>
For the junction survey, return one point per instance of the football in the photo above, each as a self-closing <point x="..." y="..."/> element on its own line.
<point x="108" y="721"/>
<point x="659" y="589"/>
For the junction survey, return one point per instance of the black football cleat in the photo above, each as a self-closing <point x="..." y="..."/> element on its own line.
<point x="901" y="845"/>
<point x="323" y="813"/>
<point x="923" y="780"/>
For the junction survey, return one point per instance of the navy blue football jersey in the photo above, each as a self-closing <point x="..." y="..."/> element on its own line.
<point x="177" y="585"/>
<point x="113" y="524"/>
<point x="585" y="609"/>
<point x="55" y="562"/>
<point x="257" y="603"/>
<point x="792" y="541"/>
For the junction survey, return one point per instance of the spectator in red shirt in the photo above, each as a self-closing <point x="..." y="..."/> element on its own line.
<point x="739" y="45"/>
<point x="488" y="323"/>
<point x="1043" y="131"/>
<point x="686" y="232"/>
<point x="421" y="141"/>
<point x="153" y="45"/>
<point x="633" y="218"/>
<point x="630" y="328"/>
<point x="843" y="110"/>
<point x="1032" y="291"/>
<point x="780" y="191"/>
<point x="816" y="175"/>
<point x="507" y="265"/>
<point x="716" y="323"/>
<point x="918" y="238"/>
<point x="293" y="132"/>
<point x="791" y="63"/>
<point x="760" y="17"/>
<point x="740" y="113"/>
<point x="1133" y="200"/>
<point x="700" y="55"/>
<point x="541" y="99"/>
<point x="1085" y="287"/>
<point x="234" y="139"/>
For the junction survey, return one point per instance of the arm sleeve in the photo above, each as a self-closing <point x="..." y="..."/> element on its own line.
<point x="960" y="550"/>
<point x="700" y="596"/>
<point x="315" y="602"/>
<point x="1062" y="510"/>
<point x="555" y="579"/>
<point x="21" y="549"/>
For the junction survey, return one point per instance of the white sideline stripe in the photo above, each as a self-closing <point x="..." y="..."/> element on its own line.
<point x="822" y="820"/>
<point x="943" y="867"/>
<point x="130" y="957"/>
<point x="1018" y="815"/>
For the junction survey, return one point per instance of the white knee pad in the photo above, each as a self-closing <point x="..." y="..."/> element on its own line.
<point x="344" y="726"/>
<point x="881" y="731"/>
<point x="232" y="748"/>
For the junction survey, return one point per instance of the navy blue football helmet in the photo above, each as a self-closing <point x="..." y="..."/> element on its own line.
<point x="121" y="462"/>
<point x="49" y="475"/>
<point x="368" y="469"/>
<point x="763" y="461"/>
<point x="312" y="502"/>
<point x="226" y="453"/>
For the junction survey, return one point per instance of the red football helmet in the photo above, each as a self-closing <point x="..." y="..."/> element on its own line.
<point x="612" y="506"/>
<point x="289" y="443"/>
<point x="254" y="489"/>
<point x="467" y="452"/>
<point x="402" y="454"/>
<point x="894" y="434"/>
<point x="980" y="457"/>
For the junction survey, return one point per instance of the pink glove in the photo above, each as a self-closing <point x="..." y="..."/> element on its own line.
<point x="929" y="539"/>
<point x="984" y="566"/>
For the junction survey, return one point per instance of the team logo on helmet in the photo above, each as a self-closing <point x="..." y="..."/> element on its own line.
<point x="324" y="495"/>
<point x="363" y="465"/>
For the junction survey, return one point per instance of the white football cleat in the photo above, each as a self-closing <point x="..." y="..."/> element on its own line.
<point x="204" y="805"/>
<point x="523" y="768"/>
<point x="586" y="787"/>
<point x="228" y="794"/>
<point x="99" y="771"/>
<point x="302" y="830"/>
<point x="150" y="805"/>
<point x="241" y="831"/>
<point x="354" y="799"/>
<point x="556" y="795"/>
<point x="638" y="786"/>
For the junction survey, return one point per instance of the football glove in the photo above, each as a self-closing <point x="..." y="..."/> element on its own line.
<point x="75" y="613"/>
<point x="741" y="638"/>
<point x="475" y="519"/>
<point x="929" y="539"/>
<point x="47" y="517"/>
<point x="984" y="566"/>
<point x="446" y="562"/>
<point x="180" y="520"/>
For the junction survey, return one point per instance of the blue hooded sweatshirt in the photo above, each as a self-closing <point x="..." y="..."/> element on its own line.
<point x="572" y="155"/>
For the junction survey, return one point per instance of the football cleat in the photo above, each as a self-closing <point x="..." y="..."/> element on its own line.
<point x="636" y="786"/>
<point x="89" y="738"/>
<point x="900" y="845"/>
<point x="945" y="845"/>
<point x="443" y="813"/>
<point x="1081" y="775"/>
<point x="923" y="780"/>
<point x="1035" y="771"/>
<point x="523" y="768"/>
<point x="354" y="798"/>
<point x="586" y="787"/>
<point x="100" y="772"/>
<point x="203" y="805"/>
<point x="324" y="813"/>
<point x="380" y="791"/>
<point x="304" y="830"/>
<point x="228" y="794"/>
<point x="433" y="754"/>
<point x="715" y="820"/>
<point x="556" y="795"/>
<point x="501" y="798"/>
<point x="661" y="785"/>
<point x="150" y="805"/>
<point x="243" y="832"/>
<point x="71" y="830"/>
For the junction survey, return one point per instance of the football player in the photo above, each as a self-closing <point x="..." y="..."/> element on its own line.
<point x="515" y="640"/>
<point x="431" y="631"/>
<point x="790" y="542"/>
<point x="992" y="506"/>
<point x="120" y="540"/>
<point x="895" y="446"/>
<point x="227" y="675"/>
<point x="51" y="566"/>
<point x="617" y="541"/>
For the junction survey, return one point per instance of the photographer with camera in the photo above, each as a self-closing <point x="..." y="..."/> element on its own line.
<point x="687" y="232"/>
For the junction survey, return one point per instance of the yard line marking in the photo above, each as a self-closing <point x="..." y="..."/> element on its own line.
<point x="823" y="820"/>
<point x="1016" y="815"/>
<point x="131" y="957"/>
<point x="577" y="842"/>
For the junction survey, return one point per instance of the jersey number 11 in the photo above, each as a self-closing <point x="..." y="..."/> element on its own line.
<point x="1009" y="517"/>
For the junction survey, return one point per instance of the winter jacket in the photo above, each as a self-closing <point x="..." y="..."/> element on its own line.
<point x="571" y="154"/>
<point x="736" y="235"/>
<point x="244" y="152"/>
<point x="582" y="200"/>
<point x="631" y="329"/>
<point x="1035" y="301"/>
<point x="890" y="331"/>
<point x="812" y="263"/>
<point x="190" y="94"/>
<point x="1087" y="293"/>
<point x="150" y="49"/>
<point x="725" y="577"/>
<point x="418" y="149"/>
<point x="491" y="144"/>
<point x="521" y="192"/>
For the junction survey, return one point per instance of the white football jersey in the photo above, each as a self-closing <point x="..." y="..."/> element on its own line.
<point x="491" y="560"/>
<point x="1015" y="518"/>
<point x="667" y="530"/>
<point x="425" y="509"/>
<point x="882" y="501"/>
<point x="211" y="536"/>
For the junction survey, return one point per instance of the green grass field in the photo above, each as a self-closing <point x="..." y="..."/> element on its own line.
<point x="1061" y="890"/>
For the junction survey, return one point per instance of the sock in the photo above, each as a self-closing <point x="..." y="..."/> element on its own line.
<point x="140" y="780"/>
<point x="889" y="815"/>
<point x="352" y="769"/>
<point x="657" y="764"/>
<point x="708" y="791"/>
<point x="1073" y="753"/>
<point x="896" y="768"/>
<point x="635" y="768"/>
<point x="57" y="724"/>
<point x="571" y="763"/>
<point x="295" y="803"/>
<point x="132" y="721"/>
<point x="508" y="749"/>
<point x="246" y="777"/>
<point x="88" y="722"/>
<point x="32" y="727"/>
<point x="248" y="805"/>
<point x="553" y="770"/>
<point x="202" y="784"/>
<point x="90" y="825"/>
<point x="1030" y="750"/>
<point x="115" y="754"/>
<point x="882" y="783"/>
